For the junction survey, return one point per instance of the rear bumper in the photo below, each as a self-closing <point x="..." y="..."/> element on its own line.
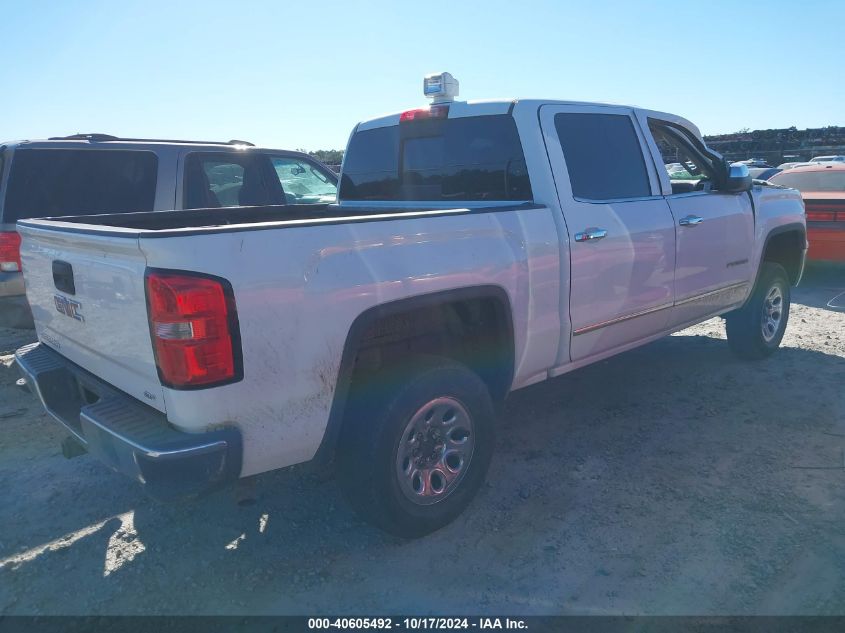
<point x="127" y="435"/>
<point x="827" y="242"/>
<point x="14" y="309"/>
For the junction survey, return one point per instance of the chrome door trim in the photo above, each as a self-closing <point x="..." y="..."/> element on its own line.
<point x="712" y="293"/>
<point x="627" y="317"/>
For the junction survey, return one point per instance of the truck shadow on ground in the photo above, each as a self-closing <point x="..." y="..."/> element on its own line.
<point x="599" y="475"/>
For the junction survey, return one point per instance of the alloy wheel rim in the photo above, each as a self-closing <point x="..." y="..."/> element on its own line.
<point x="434" y="451"/>
<point x="772" y="313"/>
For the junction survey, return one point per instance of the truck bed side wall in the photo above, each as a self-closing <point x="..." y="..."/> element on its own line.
<point x="298" y="291"/>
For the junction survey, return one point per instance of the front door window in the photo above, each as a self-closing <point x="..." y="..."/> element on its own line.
<point x="304" y="182"/>
<point x="715" y="229"/>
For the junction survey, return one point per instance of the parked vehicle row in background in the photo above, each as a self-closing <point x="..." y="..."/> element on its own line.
<point x="763" y="173"/>
<point x="755" y="163"/>
<point x="828" y="159"/>
<point x="477" y="248"/>
<point x="98" y="173"/>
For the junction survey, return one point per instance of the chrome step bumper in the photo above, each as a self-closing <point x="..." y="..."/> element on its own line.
<point x="127" y="435"/>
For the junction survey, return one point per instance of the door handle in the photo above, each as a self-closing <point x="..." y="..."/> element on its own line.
<point x="63" y="277"/>
<point x="590" y="234"/>
<point x="691" y="220"/>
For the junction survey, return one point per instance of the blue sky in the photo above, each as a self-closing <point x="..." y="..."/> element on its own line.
<point x="300" y="74"/>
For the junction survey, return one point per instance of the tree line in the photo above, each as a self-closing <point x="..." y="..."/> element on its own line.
<point x="327" y="156"/>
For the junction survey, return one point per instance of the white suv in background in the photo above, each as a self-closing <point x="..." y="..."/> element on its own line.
<point x="99" y="173"/>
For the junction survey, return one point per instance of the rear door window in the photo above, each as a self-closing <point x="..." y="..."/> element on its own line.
<point x="603" y="156"/>
<point x="56" y="182"/>
<point x="220" y="179"/>
<point x="462" y="159"/>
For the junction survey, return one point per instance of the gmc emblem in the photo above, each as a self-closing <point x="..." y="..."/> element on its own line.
<point x="69" y="307"/>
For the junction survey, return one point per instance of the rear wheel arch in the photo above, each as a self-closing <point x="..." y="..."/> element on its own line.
<point x="496" y="367"/>
<point x="785" y="245"/>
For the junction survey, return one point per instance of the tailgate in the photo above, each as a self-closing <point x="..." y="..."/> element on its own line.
<point x="86" y="290"/>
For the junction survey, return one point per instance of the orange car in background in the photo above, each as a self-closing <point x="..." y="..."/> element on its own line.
<point x="823" y="188"/>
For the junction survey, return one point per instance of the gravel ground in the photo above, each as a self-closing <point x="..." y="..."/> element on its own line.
<point x="673" y="479"/>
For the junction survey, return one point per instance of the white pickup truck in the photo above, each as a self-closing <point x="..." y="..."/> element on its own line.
<point x="477" y="247"/>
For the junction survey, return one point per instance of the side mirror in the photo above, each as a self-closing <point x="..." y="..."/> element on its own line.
<point x="738" y="179"/>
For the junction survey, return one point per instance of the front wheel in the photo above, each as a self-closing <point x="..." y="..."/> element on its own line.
<point x="756" y="330"/>
<point x="412" y="459"/>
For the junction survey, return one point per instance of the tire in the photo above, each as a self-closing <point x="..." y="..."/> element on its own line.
<point x="411" y="459"/>
<point x="756" y="330"/>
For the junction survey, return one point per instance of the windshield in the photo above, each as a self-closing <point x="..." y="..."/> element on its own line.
<point x="812" y="180"/>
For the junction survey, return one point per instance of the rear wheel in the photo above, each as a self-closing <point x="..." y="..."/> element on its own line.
<point x="756" y="330"/>
<point x="412" y="459"/>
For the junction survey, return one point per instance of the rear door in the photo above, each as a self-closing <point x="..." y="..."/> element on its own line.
<point x="621" y="231"/>
<point x="715" y="230"/>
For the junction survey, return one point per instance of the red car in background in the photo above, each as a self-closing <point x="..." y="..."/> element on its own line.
<point x="823" y="188"/>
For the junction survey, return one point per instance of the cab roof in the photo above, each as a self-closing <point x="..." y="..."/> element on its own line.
<point x="458" y="109"/>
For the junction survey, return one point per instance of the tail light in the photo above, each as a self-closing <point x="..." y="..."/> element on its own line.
<point x="821" y="216"/>
<point x="824" y="211"/>
<point x="194" y="329"/>
<point x="10" y="251"/>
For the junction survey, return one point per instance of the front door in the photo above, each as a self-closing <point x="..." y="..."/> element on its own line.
<point x="621" y="231"/>
<point x="715" y="230"/>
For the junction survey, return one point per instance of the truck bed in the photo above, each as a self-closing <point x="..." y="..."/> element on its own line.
<point x="300" y="278"/>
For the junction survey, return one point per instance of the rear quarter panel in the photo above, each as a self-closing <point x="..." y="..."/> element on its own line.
<point x="298" y="291"/>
